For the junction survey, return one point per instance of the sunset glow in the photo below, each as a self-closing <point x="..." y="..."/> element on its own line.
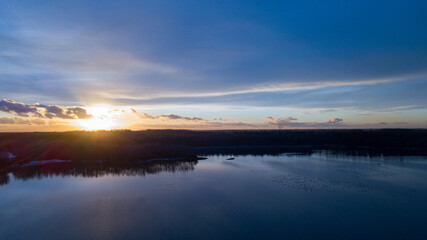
<point x="104" y="118"/>
<point x="213" y="119"/>
<point x="139" y="66"/>
<point x="97" y="124"/>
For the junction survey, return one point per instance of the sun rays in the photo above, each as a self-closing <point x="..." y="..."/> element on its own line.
<point x="104" y="118"/>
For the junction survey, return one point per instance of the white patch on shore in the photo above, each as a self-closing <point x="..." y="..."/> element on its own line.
<point x="42" y="162"/>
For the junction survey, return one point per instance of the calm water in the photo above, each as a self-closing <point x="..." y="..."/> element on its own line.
<point x="250" y="197"/>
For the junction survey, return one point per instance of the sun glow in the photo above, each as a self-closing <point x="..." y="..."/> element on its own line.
<point x="104" y="118"/>
<point x="97" y="124"/>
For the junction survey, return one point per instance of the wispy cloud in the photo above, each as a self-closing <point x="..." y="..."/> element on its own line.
<point x="142" y="115"/>
<point x="167" y="117"/>
<point x="193" y="122"/>
<point x="291" y="122"/>
<point x="15" y="120"/>
<point x="202" y="125"/>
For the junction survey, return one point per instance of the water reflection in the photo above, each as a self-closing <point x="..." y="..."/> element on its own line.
<point x="95" y="170"/>
<point x="82" y="168"/>
<point x="291" y="196"/>
<point x="4" y="179"/>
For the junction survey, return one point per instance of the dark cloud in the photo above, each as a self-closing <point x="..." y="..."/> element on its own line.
<point x="289" y="118"/>
<point x="78" y="112"/>
<point x="43" y="111"/>
<point x="20" y="109"/>
<point x="54" y="111"/>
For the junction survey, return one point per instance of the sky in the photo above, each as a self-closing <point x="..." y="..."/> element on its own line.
<point x="87" y="65"/>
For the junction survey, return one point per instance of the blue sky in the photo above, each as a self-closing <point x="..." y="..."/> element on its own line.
<point x="364" y="62"/>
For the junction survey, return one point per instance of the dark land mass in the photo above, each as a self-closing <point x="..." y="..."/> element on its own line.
<point x="106" y="151"/>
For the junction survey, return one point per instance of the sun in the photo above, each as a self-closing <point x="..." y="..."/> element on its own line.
<point x="95" y="123"/>
<point x="104" y="118"/>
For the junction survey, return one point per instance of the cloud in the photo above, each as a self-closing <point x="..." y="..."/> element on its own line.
<point x="387" y="123"/>
<point x="177" y="117"/>
<point x="142" y="115"/>
<point x="129" y="56"/>
<point x="15" y="120"/>
<point x="289" y="118"/>
<point x="335" y="120"/>
<point x="78" y="112"/>
<point x="182" y="122"/>
<point x="229" y="124"/>
<point x="203" y="125"/>
<point x="195" y="122"/>
<point x="166" y="117"/>
<point x="43" y="111"/>
<point x="17" y="108"/>
<point x="290" y="122"/>
<point x="221" y="119"/>
<point x="53" y="111"/>
<point x="280" y="122"/>
<point x="385" y="97"/>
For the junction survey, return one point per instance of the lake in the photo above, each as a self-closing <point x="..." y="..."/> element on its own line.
<point x="289" y="196"/>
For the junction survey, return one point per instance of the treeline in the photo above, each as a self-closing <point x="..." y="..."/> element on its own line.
<point x="128" y="146"/>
